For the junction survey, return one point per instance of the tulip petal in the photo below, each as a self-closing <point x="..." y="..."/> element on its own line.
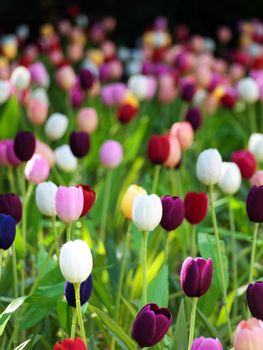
<point x="144" y="328"/>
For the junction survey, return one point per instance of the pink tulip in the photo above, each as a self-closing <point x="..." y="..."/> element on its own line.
<point x="3" y="153"/>
<point x="39" y="74"/>
<point x="257" y="178"/>
<point x="184" y="133"/>
<point x="37" y="111"/>
<point x="45" y="151"/>
<point x="113" y="94"/>
<point x="175" y="153"/>
<point x="69" y="203"/>
<point x="37" y="169"/>
<point x="65" y="77"/>
<point x="12" y="158"/>
<point x="249" y="335"/>
<point x="87" y="120"/>
<point x="111" y="153"/>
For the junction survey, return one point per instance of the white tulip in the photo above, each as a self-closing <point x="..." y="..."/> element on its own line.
<point x="56" y="126"/>
<point x="138" y="84"/>
<point x="20" y="78"/>
<point x="5" y="91"/>
<point x="147" y="212"/>
<point x="65" y="159"/>
<point x="209" y="166"/>
<point x="40" y="94"/>
<point x="75" y="261"/>
<point x="255" y="145"/>
<point x="45" y="198"/>
<point x="248" y="90"/>
<point x="230" y="180"/>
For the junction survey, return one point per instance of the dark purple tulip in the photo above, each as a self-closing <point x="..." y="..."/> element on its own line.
<point x="10" y="204"/>
<point x="86" y="79"/>
<point x="76" y="96"/>
<point x="79" y="143"/>
<point x="7" y="231"/>
<point x="255" y="204"/>
<point x="24" y="145"/>
<point x="150" y="325"/>
<point x="187" y="91"/>
<point x="173" y="212"/>
<point x="194" y="117"/>
<point x="196" y="276"/>
<point x="254" y="299"/>
<point x="85" y="292"/>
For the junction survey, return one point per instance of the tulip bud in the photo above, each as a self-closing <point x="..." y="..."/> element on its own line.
<point x="187" y="91"/>
<point x="69" y="203"/>
<point x="7" y="231"/>
<point x="111" y="153"/>
<point x="65" y="77"/>
<point x="248" y="335"/>
<point x="254" y="299"/>
<point x="257" y="178"/>
<point x="89" y="197"/>
<point x="86" y="79"/>
<point x="175" y="153"/>
<point x="246" y="162"/>
<point x="196" y="276"/>
<point x="5" y="91"/>
<point x="128" y="199"/>
<point x="37" y="169"/>
<point x="158" y="149"/>
<point x="138" y="84"/>
<point x="203" y="343"/>
<point x="150" y="325"/>
<point x="147" y="212"/>
<point x="65" y="159"/>
<point x="194" y="117"/>
<point x="248" y="90"/>
<point x="75" y="261"/>
<point x="24" y="145"/>
<point x="45" y="151"/>
<point x="37" y="111"/>
<point x="79" y="143"/>
<point x="20" y="78"/>
<point x="76" y="96"/>
<point x="230" y="180"/>
<point x="196" y="205"/>
<point x="126" y="113"/>
<point x="70" y="344"/>
<point x="209" y="166"/>
<point x="45" y="198"/>
<point x="39" y="74"/>
<point x="87" y="120"/>
<point x="254" y="204"/>
<point x="184" y="132"/>
<point x="56" y="126"/>
<point x="255" y="145"/>
<point x="85" y="292"/>
<point x="3" y="152"/>
<point x="11" y="156"/>
<point x="173" y="212"/>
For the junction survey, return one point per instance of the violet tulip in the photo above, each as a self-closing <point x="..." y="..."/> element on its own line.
<point x="69" y="203"/>
<point x="173" y="212"/>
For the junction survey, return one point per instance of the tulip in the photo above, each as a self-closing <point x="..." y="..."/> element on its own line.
<point x="65" y="77"/>
<point x="86" y="79"/>
<point x="150" y="325"/>
<point x="126" y="113"/>
<point x="56" y="126"/>
<point x="69" y="203"/>
<point x="248" y="90"/>
<point x="10" y="204"/>
<point x="76" y="95"/>
<point x="37" y="169"/>
<point x="257" y="178"/>
<point x="85" y="292"/>
<point x="79" y="143"/>
<point x="255" y="145"/>
<point x="158" y="149"/>
<point x="7" y="231"/>
<point x="175" y="153"/>
<point x="254" y="299"/>
<point x="246" y="163"/>
<point x="37" y="111"/>
<point x="70" y="344"/>
<point x="248" y="335"/>
<point x="45" y="198"/>
<point x="89" y="197"/>
<point x="3" y="152"/>
<point x="209" y="167"/>
<point x="39" y="74"/>
<point x="187" y="91"/>
<point x="45" y="151"/>
<point x="184" y="132"/>
<point x="128" y="199"/>
<point x="203" y="343"/>
<point x="254" y="204"/>
<point x="196" y="206"/>
<point x="87" y="120"/>
<point x="138" y="84"/>
<point x="111" y="153"/>
<point x="194" y="117"/>
<point x="24" y="145"/>
<point x="75" y="261"/>
<point x="5" y="91"/>
<point x="11" y="156"/>
<point x="65" y="159"/>
<point x="230" y="180"/>
<point x="20" y="78"/>
<point x="173" y="212"/>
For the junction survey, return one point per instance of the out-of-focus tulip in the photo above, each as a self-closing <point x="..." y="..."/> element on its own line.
<point x="79" y="143"/>
<point x="184" y="132"/>
<point x="175" y="153"/>
<point x="86" y="79"/>
<point x="224" y="34"/>
<point x="69" y="203"/>
<point x="45" y="151"/>
<point x="66" y="77"/>
<point x="209" y="167"/>
<point x="7" y="231"/>
<point x="254" y="298"/>
<point x="248" y="335"/>
<point x="203" y="343"/>
<point x="257" y="178"/>
<point x="56" y="126"/>
<point x="24" y="145"/>
<point x="111" y="154"/>
<point x="37" y="169"/>
<point x="11" y="156"/>
<point x="128" y="199"/>
<point x="147" y="212"/>
<point x="65" y="159"/>
<point x="113" y="94"/>
<point x="151" y="325"/>
<point x="230" y="180"/>
<point x="39" y="74"/>
<point x="20" y="78"/>
<point x="70" y="344"/>
<point x="187" y="91"/>
<point x="5" y="91"/>
<point x="246" y="162"/>
<point x="194" y="117"/>
<point x="3" y="152"/>
<point x="196" y="276"/>
<point x="85" y="292"/>
<point x="126" y="113"/>
<point x="254" y="204"/>
<point x="45" y="198"/>
<point x="10" y="204"/>
<point x="196" y="206"/>
<point x="87" y="120"/>
<point x="173" y="212"/>
<point x="89" y="197"/>
<point x="75" y="261"/>
<point x="37" y="111"/>
<point x="76" y="96"/>
<point x="255" y="145"/>
<point x="248" y="90"/>
<point x="158" y="149"/>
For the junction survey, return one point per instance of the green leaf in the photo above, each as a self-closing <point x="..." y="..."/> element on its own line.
<point x="158" y="290"/>
<point x="11" y="308"/>
<point x="23" y="345"/>
<point x="181" y="336"/>
<point x="211" y="329"/>
<point x="64" y="315"/>
<point x="10" y="117"/>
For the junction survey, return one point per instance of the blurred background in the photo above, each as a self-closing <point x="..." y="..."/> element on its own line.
<point x="203" y="16"/>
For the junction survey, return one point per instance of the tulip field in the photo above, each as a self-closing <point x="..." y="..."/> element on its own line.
<point x="131" y="189"/>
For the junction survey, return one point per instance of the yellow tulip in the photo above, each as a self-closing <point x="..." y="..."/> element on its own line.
<point x="128" y="199"/>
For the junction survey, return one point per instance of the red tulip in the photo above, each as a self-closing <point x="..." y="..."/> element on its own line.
<point x="158" y="149"/>
<point x="70" y="344"/>
<point x="246" y="162"/>
<point x="196" y="205"/>
<point x="89" y="198"/>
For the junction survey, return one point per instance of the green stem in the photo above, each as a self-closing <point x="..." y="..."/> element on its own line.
<point x="219" y="257"/>
<point x="14" y="271"/>
<point x="73" y="325"/>
<point x="11" y="180"/>
<point x="193" y="242"/>
<point x="79" y="314"/>
<point x="69" y="226"/>
<point x="252" y="117"/>
<point x="253" y="252"/>
<point x="56" y="235"/>
<point x="1" y="262"/>
<point x="145" y="242"/>
<point x="156" y="177"/>
<point x="166" y="248"/>
<point x="192" y="323"/>
<point x="105" y="205"/>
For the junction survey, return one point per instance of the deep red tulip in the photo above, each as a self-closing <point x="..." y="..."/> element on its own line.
<point x="79" y="142"/>
<point x="126" y="113"/>
<point x="70" y="344"/>
<point x="89" y="198"/>
<point x="158" y="149"/>
<point x="254" y="204"/>
<point x="196" y="205"/>
<point x="246" y="163"/>
<point x="10" y="204"/>
<point x="24" y="145"/>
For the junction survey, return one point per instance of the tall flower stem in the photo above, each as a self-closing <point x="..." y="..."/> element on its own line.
<point x="73" y="324"/>
<point x="219" y="258"/>
<point x="79" y="314"/>
<point x="253" y="252"/>
<point x="156" y="177"/>
<point x="192" y="323"/>
<point x="144" y="291"/>
<point x="69" y="228"/>
<point x="14" y="271"/>
<point x="55" y="234"/>
<point x="252" y="117"/>
<point x="105" y="205"/>
<point x="1" y="262"/>
<point x="193" y="242"/>
<point x="24" y="224"/>
<point x="11" y="179"/>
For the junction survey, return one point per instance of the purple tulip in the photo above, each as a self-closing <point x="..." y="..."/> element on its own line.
<point x="255" y="204"/>
<point x="7" y="231"/>
<point x="254" y="299"/>
<point x="187" y="91"/>
<point x="196" y="276"/>
<point x="194" y="117"/>
<point x="111" y="153"/>
<point x="150" y="325"/>
<point x="203" y="343"/>
<point x="79" y="143"/>
<point x="10" y="204"/>
<point x="24" y="145"/>
<point x="86" y="79"/>
<point x="76" y="96"/>
<point x="173" y="212"/>
<point x="85" y="292"/>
